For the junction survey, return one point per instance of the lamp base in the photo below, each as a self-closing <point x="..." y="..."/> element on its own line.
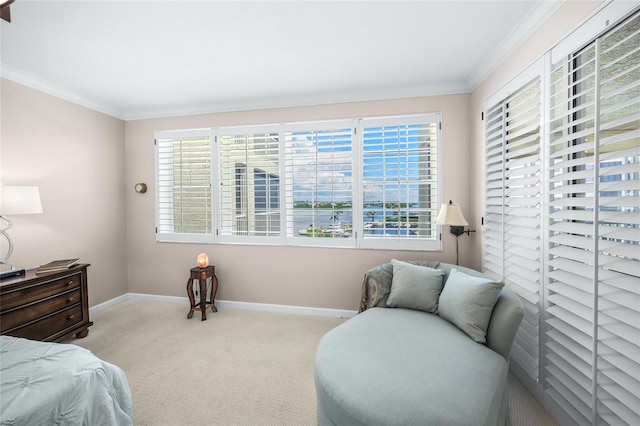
<point x="11" y="273"/>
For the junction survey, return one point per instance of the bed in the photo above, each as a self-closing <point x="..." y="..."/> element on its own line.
<point x="45" y="383"/>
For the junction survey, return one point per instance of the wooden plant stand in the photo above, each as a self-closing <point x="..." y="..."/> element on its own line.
<point x="202" y="275"/>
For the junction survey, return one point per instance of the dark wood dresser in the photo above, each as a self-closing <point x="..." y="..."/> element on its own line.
<point x="50" y="307"/>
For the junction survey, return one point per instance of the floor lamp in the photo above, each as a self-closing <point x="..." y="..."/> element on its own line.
<point x="16" y="200"/>
<point x="451" y="214"/>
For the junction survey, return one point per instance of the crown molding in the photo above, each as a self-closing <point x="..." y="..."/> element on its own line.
<point x="223" y="106"/>
<point x="522" y="31"/>
<point x="10" y="73"/>
<point x="444" y="88"/>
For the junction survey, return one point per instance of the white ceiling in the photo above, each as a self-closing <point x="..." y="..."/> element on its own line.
<point x="139" y="59"/>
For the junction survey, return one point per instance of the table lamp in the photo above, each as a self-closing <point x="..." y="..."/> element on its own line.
<point x="15" y="200"/>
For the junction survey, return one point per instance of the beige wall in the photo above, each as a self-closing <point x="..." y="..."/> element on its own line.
<point x="76" y="157"/>
<point x="314" y="277"/>
<point x="564" y="20"/>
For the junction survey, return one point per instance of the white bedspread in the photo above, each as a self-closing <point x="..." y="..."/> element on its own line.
<point x="60" y="384"/>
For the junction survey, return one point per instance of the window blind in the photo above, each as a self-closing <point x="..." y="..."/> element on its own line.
<point x="512" y="245"/>
<point x="319" y="180"/>
<point x="302" y="183"/>
<point x="183" y="183"/>
<point x="399" y="178"/>
<point x="592" y="361"/>
<point x="249" y="181"/>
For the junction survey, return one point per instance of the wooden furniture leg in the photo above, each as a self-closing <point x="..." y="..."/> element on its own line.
<point x="214" y="290"/>
<point x="82" y="334"/>
<point x="203" y="297"/>
<point x="192" y="300"/>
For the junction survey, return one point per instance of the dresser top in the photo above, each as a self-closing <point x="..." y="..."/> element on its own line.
<point x="30" y="275"/>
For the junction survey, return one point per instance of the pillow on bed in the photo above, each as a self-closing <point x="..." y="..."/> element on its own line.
<point x="415" y="287"/>
<point x="468" y="301"/>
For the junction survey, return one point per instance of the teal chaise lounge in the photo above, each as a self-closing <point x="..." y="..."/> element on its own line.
<point x="420" y="365"/>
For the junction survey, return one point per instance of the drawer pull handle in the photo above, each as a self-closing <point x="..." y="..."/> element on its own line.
<point x="70" y="317"/>
<point x="71" y="299"/>
<point x="70" y="283"/>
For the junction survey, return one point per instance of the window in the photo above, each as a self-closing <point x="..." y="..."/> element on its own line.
<point x="593" y="330"/>
<point x="249" y="202"/>
<point x="399" y="180"/>
<point x="183" y="178"/>
<point x="319" y="176"/>
<point x="512" y="240"/>
<point x="370" y="183"/>
<point x="572" y="177"/>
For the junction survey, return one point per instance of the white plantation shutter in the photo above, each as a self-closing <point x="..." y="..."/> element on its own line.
<point x="592" y="356"/>
<point x="303" y="183"/>
<point x="249" y="189"/>
<point x="512" y="245"/>
<point x="400" y="180"/>
<point x="493" y="241"/>
<point x="580" y="337"/>
<point x="618" y="375"/>
<point x="570" y="333"/>
<point x="319" y="181"/>
<point x="183" y="190"/>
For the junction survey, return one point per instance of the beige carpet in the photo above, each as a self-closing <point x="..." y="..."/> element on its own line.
<point x="236" y="368"/>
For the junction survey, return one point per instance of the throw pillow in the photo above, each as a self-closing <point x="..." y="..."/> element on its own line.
<point x="468" y="301"/>
<point x="415" y="287"/>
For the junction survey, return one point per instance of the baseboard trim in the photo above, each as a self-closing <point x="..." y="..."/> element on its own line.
<point x="109" y="303"/>
<point x="230" y="304"/>
<point x="287" y="309"/>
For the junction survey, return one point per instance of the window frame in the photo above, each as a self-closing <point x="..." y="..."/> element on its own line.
<point x="315" y="126"/>
<point x="500" y="207"/>
<point x="357" y="239"/>
<point x="404" y="243"/>
<point x="175" y="236"/>
<point x="220" y="236"/>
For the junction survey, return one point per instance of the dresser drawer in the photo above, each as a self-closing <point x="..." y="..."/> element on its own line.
<point x="41" y="329"/>
<point x="17" y="317"/>
<point x="28" y="294"/>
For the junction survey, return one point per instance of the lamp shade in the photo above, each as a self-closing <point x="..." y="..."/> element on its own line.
<point x="19" y="200"/>
<point x="451" y="214"/>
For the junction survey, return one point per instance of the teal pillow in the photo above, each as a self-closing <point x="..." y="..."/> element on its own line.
<point x="415" y="287"/>
<point x="468" y="301"/>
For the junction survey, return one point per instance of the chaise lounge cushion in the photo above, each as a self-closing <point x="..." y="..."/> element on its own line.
<point x="415" y="287"/>
<point x="468" y="302"/>
<point x="377" y="283"/>
<point x="407" y="377"/>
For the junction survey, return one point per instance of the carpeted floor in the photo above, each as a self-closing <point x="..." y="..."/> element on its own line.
<point x="237" y="368"/>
